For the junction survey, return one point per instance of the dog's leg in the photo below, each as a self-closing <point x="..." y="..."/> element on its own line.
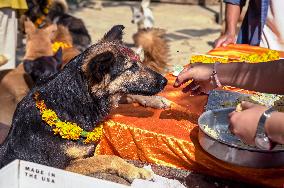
<point x="110" y="164"/>
<point x="149" y="101"/>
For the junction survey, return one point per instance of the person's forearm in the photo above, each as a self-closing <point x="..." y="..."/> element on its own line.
<point x="274" y="127"/>
<point x="232" y="16"/>
<point x="262" y="77"/>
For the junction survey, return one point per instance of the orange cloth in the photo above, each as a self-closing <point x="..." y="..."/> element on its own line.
<point x="236" y="50"/>
<point x="170" y="137"/>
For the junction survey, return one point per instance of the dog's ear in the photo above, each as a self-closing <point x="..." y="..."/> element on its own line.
<point x="115" y="33"/>
<point x="29" y="26"/>
<point x="145" y="3"/>
<point x="58" y="57"/>
<point x="100" y="65"/>
<point x="51" y="31"/>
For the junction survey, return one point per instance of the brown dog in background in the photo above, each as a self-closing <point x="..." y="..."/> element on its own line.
<point x="62" y="35"/>
<point x="15" y="83"/>
<point x="155" y="47"/>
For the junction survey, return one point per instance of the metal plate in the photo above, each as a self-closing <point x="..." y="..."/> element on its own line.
<point x="214" y="123"/>
<point x="227" y="147"/>
<point x="217" y="98"/>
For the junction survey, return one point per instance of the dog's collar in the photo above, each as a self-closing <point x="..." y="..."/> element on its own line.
<point x="67" y="130"/>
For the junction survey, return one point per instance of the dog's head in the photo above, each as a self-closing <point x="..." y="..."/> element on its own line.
<point x="142" y="15"/>
<point x="112" y="69"/>
<point x="38" y="41"/>
<point x="43" y="67"/>
<point x="137" y="15"/>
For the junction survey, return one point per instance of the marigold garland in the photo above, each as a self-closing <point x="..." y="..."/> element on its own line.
<point x="271" y="55"/>
<point x="57" y="45"/>
<point x="66" y="130"/>
<point x="41" y="19"/>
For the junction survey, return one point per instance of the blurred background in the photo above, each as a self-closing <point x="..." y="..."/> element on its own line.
<point x="191" y="25"/>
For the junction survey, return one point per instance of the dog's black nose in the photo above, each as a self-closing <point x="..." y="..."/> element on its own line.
<point x="164" y="82"/>
<point x="132" y="21"/>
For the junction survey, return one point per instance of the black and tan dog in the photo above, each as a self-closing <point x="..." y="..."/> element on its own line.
<point x="84" y="92"/>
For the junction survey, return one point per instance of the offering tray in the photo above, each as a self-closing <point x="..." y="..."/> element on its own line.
<point x="215" y="138"/>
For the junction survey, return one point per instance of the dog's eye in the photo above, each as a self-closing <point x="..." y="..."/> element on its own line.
<point x="134" y="67"/>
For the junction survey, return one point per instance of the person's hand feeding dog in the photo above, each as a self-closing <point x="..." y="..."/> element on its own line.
<point x="202" y="76"/>
<point x="254" y="124"/>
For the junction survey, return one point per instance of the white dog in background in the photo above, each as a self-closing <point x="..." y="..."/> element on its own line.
<point x="143" y="16"/>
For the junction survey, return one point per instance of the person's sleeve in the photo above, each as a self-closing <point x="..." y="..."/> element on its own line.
<point x="236" y="2"/>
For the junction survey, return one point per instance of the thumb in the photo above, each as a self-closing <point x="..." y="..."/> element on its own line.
<point x="246" y="105"/>
<point x="228" y="41"/>
<point x="183" y="77"/>
<point x="219" y="42"/>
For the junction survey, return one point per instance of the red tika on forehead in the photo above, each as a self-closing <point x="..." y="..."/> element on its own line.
<point x="130" y="53"/>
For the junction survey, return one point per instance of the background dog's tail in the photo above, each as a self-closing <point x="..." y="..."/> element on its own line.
<point x="155" y="47"/>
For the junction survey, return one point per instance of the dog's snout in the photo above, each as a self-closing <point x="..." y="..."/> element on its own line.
<point x="132" y="21"/>
<point x="164" y="82"/>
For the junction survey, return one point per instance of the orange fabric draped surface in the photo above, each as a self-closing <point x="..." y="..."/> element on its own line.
<point x="170" y="137"/>
<point x="236" y="50"/>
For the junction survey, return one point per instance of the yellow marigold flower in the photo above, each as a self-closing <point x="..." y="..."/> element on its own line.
<point x="208" y="59"/>
<point x="49" y="117"/>
<point x="271" y="55"/>
<point x="95" y="135"/>
<point x="66" y="130"/>
<point x="57" y="45"/>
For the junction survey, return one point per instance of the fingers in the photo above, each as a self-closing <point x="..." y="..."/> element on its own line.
<point x="227" y="42"/>
<point x="246" y="105"/>
<point x="183" y="77"/>
<point x="231" y="114"/>
<point x="224" y="41"/>
<point x="191" y="87"/>
<point x="219" y="42"/>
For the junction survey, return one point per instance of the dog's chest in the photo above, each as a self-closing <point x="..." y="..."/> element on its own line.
<point x="77" y="151"/>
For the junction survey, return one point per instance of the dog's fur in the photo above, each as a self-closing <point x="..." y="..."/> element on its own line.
<point x="58" y="13"/>
<point x="43" y="67"/>
<point x="38" y="41"/>
<point x="84" y="92"/>
<point x="39" y="63"/>
<point x="155" y="48"/>
<point x="76" y="26"/>
<point x="16" y="83"/>
<point x="63" y="35"/>
<point x="150" y="42"/>
<point x="142" y="15"/>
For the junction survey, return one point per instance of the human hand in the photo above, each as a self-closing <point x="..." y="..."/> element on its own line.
<point x="244" y="123"/>
<point x="200" y="74"/>
<point x="224" y="40"/>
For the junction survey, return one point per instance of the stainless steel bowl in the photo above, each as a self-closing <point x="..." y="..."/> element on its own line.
<point x="215" y="138"/>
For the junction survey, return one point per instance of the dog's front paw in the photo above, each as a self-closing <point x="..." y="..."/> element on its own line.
<point x="138" y="173"/>
<point x="150" y="101"/>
